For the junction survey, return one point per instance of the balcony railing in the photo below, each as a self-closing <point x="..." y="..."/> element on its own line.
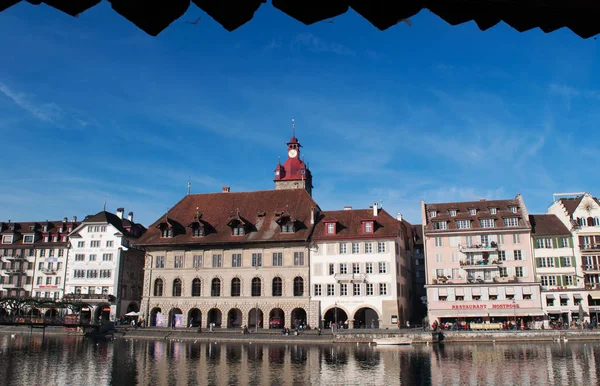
<point x="89" y="296"/>
<point x="480" y="264"/>
<point x="590" y="267"/>
<point x="492" y="247"/>
<point x="12" y="285"/>
<point x="15" y="257"/>
<point x="350" y="277"/>
<point x="589" y="247"/>
<point x="47" y="271"/>
<point x="15" y="271"/>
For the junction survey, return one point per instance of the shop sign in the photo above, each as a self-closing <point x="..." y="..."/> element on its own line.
<point x="480" y="306"/>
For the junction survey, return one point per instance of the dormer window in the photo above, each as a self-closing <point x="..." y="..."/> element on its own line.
<point x="368" y="226"/>
<point x="511" y="222"/>
<point x="331" y="228"/>
<point x="28" y="239"/>
<point x="198" y="231"/>
<point x="439" y="225"/>
<point x="7" y="239"/>
<point x="167" y="232"/>
<point x="239" y="230"/>
<point x="453" y="212"/>
<point x="45" y="228"/>
<point x="472" y="212"/>
<point x="55" y="239"/>
<point x="492" y="210"/>
<point x="287" y="227"/>
<point x="513" y="209"/>
<point x="487" y="223"/>
<point x="433" y="213"/>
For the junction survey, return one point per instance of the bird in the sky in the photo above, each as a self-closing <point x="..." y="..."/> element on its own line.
<point x="194" y="22"/>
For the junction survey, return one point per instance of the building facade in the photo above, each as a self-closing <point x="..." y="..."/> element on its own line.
<point x="105" y="271"/>
<point x="231" y="259"/>
<point x="34" y="258"/>
<point x="419" y="275"/>
<point x="563" y="290"/>
<point x="361" y="267"/>
<point x="479" y="263"/>
<point x="580" y="213"/>
<point x="294" y="173"/>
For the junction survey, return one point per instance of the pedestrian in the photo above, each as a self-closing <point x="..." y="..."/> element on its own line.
<point x="372" y="324"/>
<point x="407" y="324"/>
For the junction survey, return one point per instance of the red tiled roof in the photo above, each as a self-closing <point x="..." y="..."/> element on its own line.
<point x="571" y="204"/>
<point x="154" y="16"/>
<point x="349" y="224"/>
<point x="23" y="228"/>
<point x="483" y="212"/>
<point x="123" y="225"/>
<point x="547" y="225"/>
<point x="419" y="232"/>
<point x="260" y="209"/>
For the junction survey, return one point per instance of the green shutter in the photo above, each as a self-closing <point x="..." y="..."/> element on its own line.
<point x="559" y="281"/>
<point x="570" y="242"/>
<point x="538" y="262"/>
<point x="556" y="242"/>
<point x="535" y="243"/>
<point x="563" y="263"/>
<point x="565" y="280"/>
<point x="557" y="262"/>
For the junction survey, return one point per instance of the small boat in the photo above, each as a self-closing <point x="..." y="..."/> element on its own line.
<point x="393" y="342"/>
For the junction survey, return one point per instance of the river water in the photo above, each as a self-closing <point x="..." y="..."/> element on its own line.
<point x="74" y="360"/>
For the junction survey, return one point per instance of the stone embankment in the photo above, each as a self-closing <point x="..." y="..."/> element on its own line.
<point x="312" y="337"/>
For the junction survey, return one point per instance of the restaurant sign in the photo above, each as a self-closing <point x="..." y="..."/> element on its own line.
<point x="480" y="306"/>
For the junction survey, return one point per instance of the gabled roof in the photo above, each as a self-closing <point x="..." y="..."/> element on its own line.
<point x="483" y="212"/>
<point x="23" y="228"/>
<point x="350" y="222"/>
<point x="571" y="204"/>
<point x="126" y="227"/>
<point x="547" y="225"/>
<point x="260" y="209"/>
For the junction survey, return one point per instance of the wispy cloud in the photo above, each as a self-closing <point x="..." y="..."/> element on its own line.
<point x="47" y="112"/>
<point x="318" y="45"/>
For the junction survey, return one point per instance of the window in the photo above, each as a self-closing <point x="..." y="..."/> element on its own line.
<point x="39" y="279"/>
<point x="81" y="244"/>
<point x="518" y="254"/>
<point x="78" y="274"/>
<point x="61" y="252"/>
<point x="105" y="274"/>
<point x="40" y="266"/>
<point x="516" y="238"/>
<point x="178" y="262"/>
<point x="503" y="271"/>
<point x="236" y="260"/>
<point x="7" y="239"/>
<point x="564" y="301"/>
<point x="330" y="290"/>
<point x="197" y="261"/>
<point x="57" y="280"/>
<point x="438" y="242"/>
<point x="78" y="257"/>
<point x="160" y="262"/>
<point x="46" y="239"/>
<point x="236" y="286"/>
<point x="381" y="247"/>
<point x="298" y="258"/>
<point x="256" y="286"/>
<point x="439" y="258"/>
<point x="92" y="274"/>
<point x="215" y="287"/>
<point x="432" y="213"/>
<point x="355" y="248"/>
<point x="355" y="268"/>
<point x="511" y="222"/>
<point x="59" y="266"/>
<point x="356" y="289"/>
<point x="298" y="286"/>
<point x="343" y="248"/>
<point x="369" y="287"/>
<point x="217" y="262"/>
<point x="472" y="212"/>
<point x="487" y="223"/>
<point x="564" y="242"/>
<point x="28" y="239"/>
<point x="343" y="268"/>
<point x="544" y="242"/>
<point x="566" y="261"/>
<point x="368" y="247"/>
<point x="513" y="209"/>
<point x="568" y="280"/>
<point x="287" y="227"/>
<point x="332" y="269"/>
<point x="548" y="280"/>
<point x="463" y="224"/>
<point x="383" y="289"/>
<point x="453" y="212"/>
<point x="277" y="287"/>
<point x="382" y="267"/>
<point x="197" y="231"/>
<point x="96" y="228"/>
<point x="492" y="210"/>
<point x="331" y="228"/>
<point x="239" y="230"/>
<point x="109" y="257"/>
<point x="196" y="287"/>
<point x="439" y="225"/>
<point x="317" y="291"/>
<point x="277" y="259"/>
<point x="50" y="252"/>
<point x="368" y="227"/>
<point x="110" y="244"/>
<point x="343" y="289"/>
<point x="519" y="271"/>
<point x="502" y="255"/>
<point x="95" y="244"/>
<point x="257" y="259"/>
<point x="544" y="262"/>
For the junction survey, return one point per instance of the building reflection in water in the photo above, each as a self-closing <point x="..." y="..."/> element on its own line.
<point x="28" y="360"/>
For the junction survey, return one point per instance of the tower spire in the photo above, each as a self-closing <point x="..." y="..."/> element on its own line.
<point x="189" y="184"/>
<point x="293" y="128"/>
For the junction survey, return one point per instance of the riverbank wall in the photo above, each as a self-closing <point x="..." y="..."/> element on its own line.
<point x="327" y="337"/>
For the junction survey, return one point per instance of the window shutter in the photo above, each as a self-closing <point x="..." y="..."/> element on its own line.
<point x="557" y="262"/>
<point x="559" y="281"/>
<point x="563" y="263"/>
<point x="536" y="244"/>
<point x="524" y="271"/>
<point x="580" y="240"/>
<point x="570" y="242"/>
<point x="564" y="280"/>
<point x="556" y="242"/>
<point x="538" y="262"/>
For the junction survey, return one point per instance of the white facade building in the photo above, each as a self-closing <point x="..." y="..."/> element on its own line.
<point x="360" y="271"/>
<point x="103" y="271"/>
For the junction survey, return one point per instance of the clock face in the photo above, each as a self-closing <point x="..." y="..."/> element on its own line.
<point x="292" y="153"/>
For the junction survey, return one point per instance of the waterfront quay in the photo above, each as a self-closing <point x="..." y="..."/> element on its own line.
<point x="366" y="336"/>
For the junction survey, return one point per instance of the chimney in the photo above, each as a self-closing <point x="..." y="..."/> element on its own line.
<point x="399" y="216"/>
<point x="312" y="216"/>
<point x="65" y="219"/>
<point x="482" y="199"/>
<point x="375" y="211"/>
<point x="226" y="189"/>
<point x="347" y="208"/>
<point x="120" y="212"/>
<point x="74" y="219"/>
<point x="130" y="216"/>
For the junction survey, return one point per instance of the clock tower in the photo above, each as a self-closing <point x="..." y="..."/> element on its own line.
<point x="293" y="174"/>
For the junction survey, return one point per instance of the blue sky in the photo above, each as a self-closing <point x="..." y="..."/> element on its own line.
<point x="93" y="109"/>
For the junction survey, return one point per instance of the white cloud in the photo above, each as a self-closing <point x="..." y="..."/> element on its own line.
<point x="318" y="45"/>
<point x="47" y="112"/>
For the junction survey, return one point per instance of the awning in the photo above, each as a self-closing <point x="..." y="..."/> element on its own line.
<point x="460" y="291"/>
<point x="476" y="291"/>
<point x="595" y="294"/>
<point x="484" y="313"/>
<point x="564" y="296"/>
<point x="577" y="296"/>
<point x="106" y="309"/>
<point x="510" y="290"/>
<point x="527" y="290"/>
<point x="550" y="296"/>
<point x="493" y="290"/>
<point x="443" y="291"/>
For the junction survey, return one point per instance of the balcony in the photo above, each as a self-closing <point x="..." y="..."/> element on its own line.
<point x="12" y="285"/>
<point x="16" y="257"/>
<point x="350" y="277"/>
<point x="589" y="247"/>
<point x="15" y="271"/>
<point x="110" y="298"/>
<point x="590" y="268"/>
<point x="47" y="271"/>
<point x="480" y="264"/>
<point x="492" y="247"/>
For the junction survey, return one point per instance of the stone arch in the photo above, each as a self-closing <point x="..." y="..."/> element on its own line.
<point x="51" y="313"/>
<point x="364" y="316"/>
<point x="102" y="312"/>
<point x="173" y="312"/>
<point x="234" y="318"/>
<point x="298" y="316"/>
<point x="335" y="314"/>
<point x="194" y="317"/>
<point x="153" y="313"/>
<point x="252" y="319"/>
<point x="214" y="315"/>
<point x="34" y="312"/>
<point x="276" y="318"/>
<point x="133" y="307"/>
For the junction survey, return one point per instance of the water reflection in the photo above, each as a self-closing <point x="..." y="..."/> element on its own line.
<point x="28" y="360"/>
